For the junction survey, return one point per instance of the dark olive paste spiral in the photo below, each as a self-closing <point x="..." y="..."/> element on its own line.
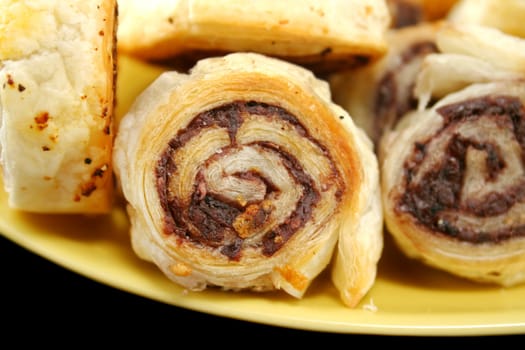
<point x="439" y="188"/>
<point x="209" y="218"/>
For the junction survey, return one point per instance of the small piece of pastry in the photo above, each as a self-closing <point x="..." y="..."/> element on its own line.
<point x="321" y="35"/>
<point x="243" y="175"/>
<point x="507" y="16"/>
<point x="378" y="94"/>
<point x="57" y="86"/>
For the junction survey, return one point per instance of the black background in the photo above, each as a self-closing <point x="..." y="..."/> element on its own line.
<point x="44" y="303"/>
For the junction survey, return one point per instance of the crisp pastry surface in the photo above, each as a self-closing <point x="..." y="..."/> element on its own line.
<point x="243" y="175"/>
<point x="323" y="35"/>
<point x="57" y="68"/>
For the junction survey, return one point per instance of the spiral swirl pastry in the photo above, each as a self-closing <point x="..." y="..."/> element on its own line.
<point x="244" y="175"/>
<point x="454" y="183"/>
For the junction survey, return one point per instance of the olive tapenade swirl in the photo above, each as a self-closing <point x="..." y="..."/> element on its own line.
<point x="244" y="175"/>
<point x="454" y="183"/>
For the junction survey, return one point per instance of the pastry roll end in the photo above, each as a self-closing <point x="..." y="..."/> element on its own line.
<point x="243" y="175"/>
<point x="57" y="85"/>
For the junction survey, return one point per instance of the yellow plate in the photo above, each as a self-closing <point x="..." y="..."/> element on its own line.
<point x="407" y="298"/>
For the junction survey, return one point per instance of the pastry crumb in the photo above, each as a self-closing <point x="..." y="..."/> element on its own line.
<point x="370" y="306"/>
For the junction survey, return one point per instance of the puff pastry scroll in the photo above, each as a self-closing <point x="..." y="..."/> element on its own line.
<point x="57" y="76"/>
<point x="243" y="175"/>
<point x="322" y="35"/>
<point x="453" y="172"/>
